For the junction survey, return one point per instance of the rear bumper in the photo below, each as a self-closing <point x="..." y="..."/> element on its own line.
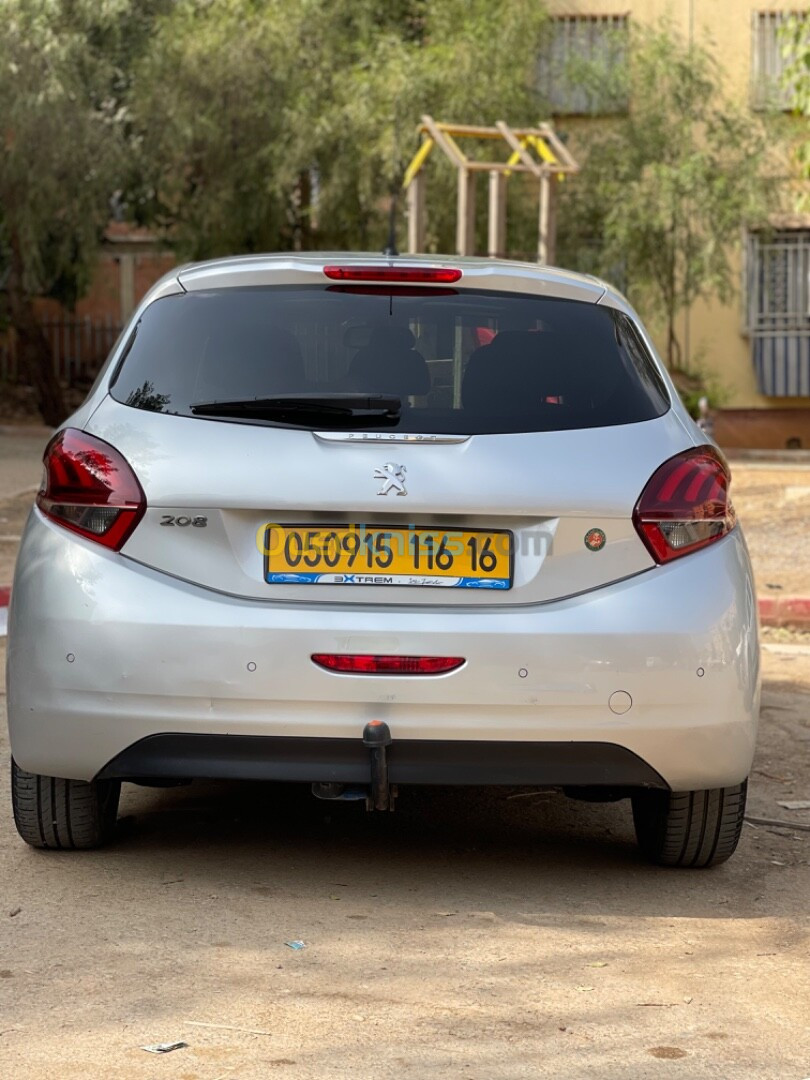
<point x="104" y="653"/>
<point x="410" y="761"/>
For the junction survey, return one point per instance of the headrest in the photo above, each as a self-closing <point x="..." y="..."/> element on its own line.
<point x="517" y="370"/>
<point x="387" y="369"/>
<point x="384" y="337"/>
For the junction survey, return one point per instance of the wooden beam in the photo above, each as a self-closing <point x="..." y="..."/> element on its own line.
<point x="519" y="148"/>
<point x="465" y="220"/>
<point x="496" y="231"/>
<point x="443" y="142"/>
<point x="416" y="214"/>
<point x="547" y="222"/>
<point x="471" y="131"/>
<point x="498" y="166"/>
<point x="429" y="126"/>
<point x="558" y="148"/>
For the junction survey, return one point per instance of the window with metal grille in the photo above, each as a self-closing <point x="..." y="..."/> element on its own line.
<point x="778" y="310"/>
<point x="768" y="60"/>
<point x="576" y="42"/>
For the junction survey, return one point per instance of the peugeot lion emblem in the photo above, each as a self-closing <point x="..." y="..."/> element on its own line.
<point x="393" y="477"/>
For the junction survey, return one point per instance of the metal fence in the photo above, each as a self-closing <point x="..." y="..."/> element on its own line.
<point x="778" y="311"/>
<point x="778" y="281"/>
<point x="78" y="347"/>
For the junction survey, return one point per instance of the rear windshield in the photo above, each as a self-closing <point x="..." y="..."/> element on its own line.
<point x="466" y="362"/>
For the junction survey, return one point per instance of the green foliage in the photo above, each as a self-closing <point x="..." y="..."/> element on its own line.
<point x="63" y="121"/>
<point x="796" y="52"/>
<point x="270" y="125"/>
<point x="664" y="189"/>
<point x="699" y="383"/>
<point x="58" y="144"/>
<point x="796" y="81"/>
<point x="64" y="125"/>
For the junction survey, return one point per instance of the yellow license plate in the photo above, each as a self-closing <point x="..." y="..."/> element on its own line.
<point x="379" y="555"/>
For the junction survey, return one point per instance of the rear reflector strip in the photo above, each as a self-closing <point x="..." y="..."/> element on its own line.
<point x="366" y="664"/>
<point x="438" y="275"/>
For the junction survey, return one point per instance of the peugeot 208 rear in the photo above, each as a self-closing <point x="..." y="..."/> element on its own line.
<point x="365" y="522"/>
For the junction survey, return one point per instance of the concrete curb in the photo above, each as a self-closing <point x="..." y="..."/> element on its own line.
<point x="785" y="611"/>
<point x="768" y="457"/>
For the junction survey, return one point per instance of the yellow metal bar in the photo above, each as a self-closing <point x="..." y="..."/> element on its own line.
<point x="519" y="148"/>
<point x="417" y="161"/>
<point x="558" y="148"/>
<point x="542" y="149"/>
<point x="514" y="157"/>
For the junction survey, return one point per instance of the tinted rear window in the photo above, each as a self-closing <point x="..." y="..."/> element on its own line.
<point x="466" y="362"/>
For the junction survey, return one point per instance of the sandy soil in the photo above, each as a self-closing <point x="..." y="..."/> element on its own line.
<point x="774" y="508"/>
<point x="20" y="472"/>
<point x="476" y="935"/>
<point x="13" y="513"/>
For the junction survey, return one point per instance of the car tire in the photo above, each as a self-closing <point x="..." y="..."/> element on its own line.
<point x="689" y="828"/>
<point x="71" y="815"/>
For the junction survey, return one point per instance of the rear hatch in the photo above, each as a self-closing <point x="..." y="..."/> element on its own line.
<point x="396" y="444"/>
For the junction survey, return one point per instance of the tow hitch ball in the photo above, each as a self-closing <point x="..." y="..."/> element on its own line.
<point x="377" y="737"/>
<point x="380" y="795"/>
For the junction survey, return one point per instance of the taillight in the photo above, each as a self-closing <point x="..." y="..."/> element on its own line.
<point x="365" y="664"/>
<point x="437" y="275"/>
<point x="88" y="487"/>
<point x="685" y="505"/>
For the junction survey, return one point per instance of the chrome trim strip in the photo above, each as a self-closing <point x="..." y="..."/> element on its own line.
<point x="377" y="437"/>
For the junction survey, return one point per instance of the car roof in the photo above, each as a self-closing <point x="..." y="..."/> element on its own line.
<point x="292" y="268"/>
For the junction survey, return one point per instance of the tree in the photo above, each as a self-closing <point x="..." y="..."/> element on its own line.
<point x="665" y="189"/>
<point x="269" y="125"/>
<point x="62" y="128"/>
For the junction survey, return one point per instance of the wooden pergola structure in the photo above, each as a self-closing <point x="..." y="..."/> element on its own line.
<point x="537" y="151"/>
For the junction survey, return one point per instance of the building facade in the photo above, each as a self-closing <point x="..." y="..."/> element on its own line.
<point x="758" y="347"/>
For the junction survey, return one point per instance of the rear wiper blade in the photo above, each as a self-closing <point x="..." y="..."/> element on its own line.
<point x="329" y="406"/>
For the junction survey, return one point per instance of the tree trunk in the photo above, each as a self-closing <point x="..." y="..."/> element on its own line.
<point x="302" y="237"/>
<point x="34" y="359"/>
<point x="673" y="345"/>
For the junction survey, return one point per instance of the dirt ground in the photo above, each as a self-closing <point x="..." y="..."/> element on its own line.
<point x="469" y="935"/>
<point x="774" y="508"/>
<point x="483" y="935"/>
<point x="13" y="513"/>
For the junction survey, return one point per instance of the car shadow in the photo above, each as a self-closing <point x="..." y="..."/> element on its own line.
<point x="501" y="848"/>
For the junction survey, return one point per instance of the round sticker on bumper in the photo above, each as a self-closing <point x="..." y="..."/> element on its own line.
<point x="595" y="539"/>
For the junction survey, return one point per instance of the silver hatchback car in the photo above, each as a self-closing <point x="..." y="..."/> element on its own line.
<point x="367" y="521"/>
